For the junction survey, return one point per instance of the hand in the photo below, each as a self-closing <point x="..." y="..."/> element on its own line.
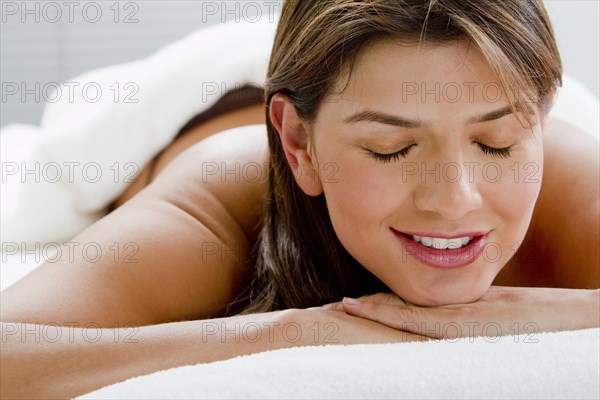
<point x="325" y="325"/>
<point x="501" y="311"/>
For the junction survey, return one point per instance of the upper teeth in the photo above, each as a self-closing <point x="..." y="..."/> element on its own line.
<point x="438" y="243"/>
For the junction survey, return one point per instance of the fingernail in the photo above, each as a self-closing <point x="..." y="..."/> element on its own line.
<point x="350" y="301"/>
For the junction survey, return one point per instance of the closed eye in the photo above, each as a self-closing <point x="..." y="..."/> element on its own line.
<point x="503" y="152"/>
<point x="386" y="158"/>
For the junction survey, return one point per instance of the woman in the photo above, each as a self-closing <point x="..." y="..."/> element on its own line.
<point x="406" y="142"/>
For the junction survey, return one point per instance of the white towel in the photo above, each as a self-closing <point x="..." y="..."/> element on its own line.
<point x="562" y="365"/>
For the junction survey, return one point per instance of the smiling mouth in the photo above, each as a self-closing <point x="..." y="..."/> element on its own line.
<point x="443" y="252"/>
<point x="441" y="243"/>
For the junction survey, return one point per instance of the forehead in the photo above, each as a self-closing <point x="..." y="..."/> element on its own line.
<point x="450" y="60"/>
<point x="389" y="72"/>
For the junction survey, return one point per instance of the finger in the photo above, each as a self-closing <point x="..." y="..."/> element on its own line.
<point x="426" y="321"/>
<point x="390" y="315"/>
<point x="332" y="307"/>
<point x="388" y="298"/>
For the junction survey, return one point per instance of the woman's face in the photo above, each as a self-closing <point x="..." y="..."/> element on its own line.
<point x="402" y="153"/>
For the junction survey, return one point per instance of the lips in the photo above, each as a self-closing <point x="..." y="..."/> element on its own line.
<point x="443" y="258"/>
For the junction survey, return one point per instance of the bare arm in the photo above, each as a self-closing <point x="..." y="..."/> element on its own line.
<point x="40" y="361"/>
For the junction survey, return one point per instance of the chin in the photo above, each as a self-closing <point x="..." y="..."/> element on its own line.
<point x="445" y="297"/>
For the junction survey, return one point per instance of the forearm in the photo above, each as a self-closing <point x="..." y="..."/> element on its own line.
<point x="562" y="309"/>
<point x="548" y="309"/>
<point x="587" y="303"/>
<point x="41" y="361"/>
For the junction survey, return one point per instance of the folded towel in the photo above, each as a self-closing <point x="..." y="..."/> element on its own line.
<point x="562" y="365"/>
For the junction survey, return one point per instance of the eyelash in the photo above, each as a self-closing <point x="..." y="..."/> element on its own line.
<point x="386" y="158"/>
<point x="492" y="151"/>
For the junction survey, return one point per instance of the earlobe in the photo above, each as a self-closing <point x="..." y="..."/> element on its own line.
<point x="295" y="142"/>
<point x="551" y="97"/>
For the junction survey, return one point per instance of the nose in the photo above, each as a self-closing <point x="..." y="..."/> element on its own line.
<point x="449" y="190"/>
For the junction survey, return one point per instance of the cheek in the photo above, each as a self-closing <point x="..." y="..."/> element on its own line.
<point x="359" y="196"/>
<point x="513" y="197"/>
<point x="360" y="200"/>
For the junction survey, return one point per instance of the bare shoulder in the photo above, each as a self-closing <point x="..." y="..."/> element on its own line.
<point x="176" y="251"/>
<point x="571" y="182"/>
<point x="562" y="245"/>
<point x="571" y="154"/>
<point x="570" y="204"/>
<point x="230" y="166"/>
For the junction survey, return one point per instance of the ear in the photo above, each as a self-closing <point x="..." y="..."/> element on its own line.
<point x="296" y="144"/>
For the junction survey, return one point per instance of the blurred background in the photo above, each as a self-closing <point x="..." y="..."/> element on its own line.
<point x="47" y="42"/>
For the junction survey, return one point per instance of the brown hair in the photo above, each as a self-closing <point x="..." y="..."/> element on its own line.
<point x="299" y="260"/>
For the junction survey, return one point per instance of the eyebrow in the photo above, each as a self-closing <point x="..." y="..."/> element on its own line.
<point x="492" y="115"/>
<point x="382" y="118"/>
<point x="394" y="120"/>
